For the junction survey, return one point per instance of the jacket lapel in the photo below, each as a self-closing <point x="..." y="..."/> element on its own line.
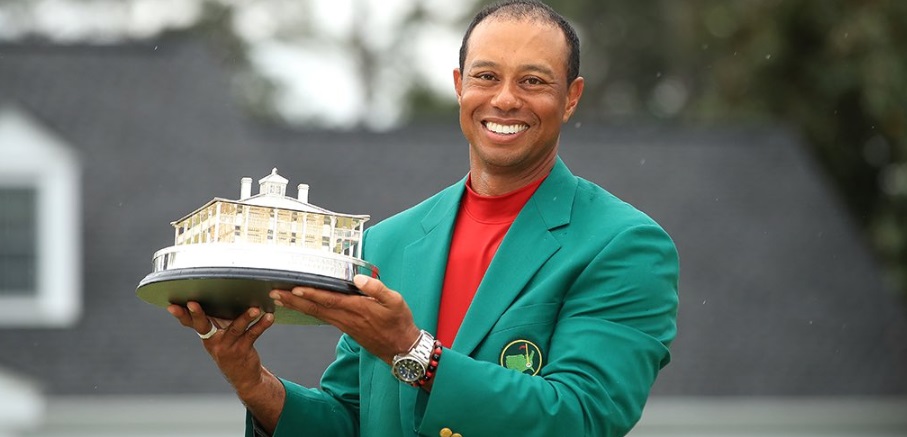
<point x="525" y="248"/>
<point x="426" y="258"/>
<point x="426" y="261"/>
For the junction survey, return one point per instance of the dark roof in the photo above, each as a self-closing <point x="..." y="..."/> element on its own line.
<point x="779" y="292"/>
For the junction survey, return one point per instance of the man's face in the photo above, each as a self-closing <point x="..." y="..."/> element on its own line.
<point x="514" y="96"/>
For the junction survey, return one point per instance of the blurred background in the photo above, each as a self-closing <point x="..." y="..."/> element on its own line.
<point x="768" y="137"/>
<point x="830" y="70"/>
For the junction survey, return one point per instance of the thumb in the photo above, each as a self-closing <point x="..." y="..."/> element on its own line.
<point x="371" y="287"/>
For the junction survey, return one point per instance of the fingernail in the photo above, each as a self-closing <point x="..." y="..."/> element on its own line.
<point x="278" y="303"/>
<point x="269" y="317"/>
<point x="253" y="312"/>
<point x="172" y="311"/>
<point x="297" y="292"/>
<point x="274" y="294"/>
<point x="190" y="308"/>
<point x="360" y="280"/>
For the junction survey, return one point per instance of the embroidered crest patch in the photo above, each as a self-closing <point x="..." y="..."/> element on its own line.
<point x="523" y="356"/>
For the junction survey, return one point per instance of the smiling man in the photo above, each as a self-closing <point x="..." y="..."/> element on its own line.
<point x="522" y="300"/>
<point x="515" y="88"/>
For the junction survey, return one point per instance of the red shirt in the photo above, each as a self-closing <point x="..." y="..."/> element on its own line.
<point x="481" y="224"/>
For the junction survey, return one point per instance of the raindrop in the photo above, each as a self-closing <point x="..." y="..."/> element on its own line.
<point x="893" y="179"/>
<point x="876" y="151"/>
<point x="669" y="97"/>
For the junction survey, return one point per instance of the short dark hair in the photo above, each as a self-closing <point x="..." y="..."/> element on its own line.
<point x="520" y="9"/>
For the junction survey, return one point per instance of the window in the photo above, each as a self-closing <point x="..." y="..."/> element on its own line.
<point x="18" y="241"/>
<point x="40" y="269"/>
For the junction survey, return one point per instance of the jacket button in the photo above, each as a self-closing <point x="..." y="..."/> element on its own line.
<point x="446" y="432"/>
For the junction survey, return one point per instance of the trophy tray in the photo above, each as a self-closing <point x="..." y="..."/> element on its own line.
<point x="228" y="279"/>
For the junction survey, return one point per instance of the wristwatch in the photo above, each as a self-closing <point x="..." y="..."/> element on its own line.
<point x="411" y="366"/>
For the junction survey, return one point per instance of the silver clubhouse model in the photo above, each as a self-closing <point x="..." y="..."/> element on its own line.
<point x="229" y="254"/>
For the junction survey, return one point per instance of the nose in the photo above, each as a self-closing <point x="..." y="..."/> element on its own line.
<point x="506" y="97"/>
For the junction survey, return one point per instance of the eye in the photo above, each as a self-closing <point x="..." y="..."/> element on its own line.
<point x="484" y="76"/>
<point x="533" y="81"/>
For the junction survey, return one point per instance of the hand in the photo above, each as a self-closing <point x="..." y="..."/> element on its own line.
<point x="232" y="345"/>
<point x="380" y="321"/>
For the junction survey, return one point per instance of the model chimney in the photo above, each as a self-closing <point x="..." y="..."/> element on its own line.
<point x="245" y="188"/>
<point x="303" y="193"/>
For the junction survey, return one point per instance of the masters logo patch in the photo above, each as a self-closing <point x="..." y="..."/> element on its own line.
<point x="523" y="356"/>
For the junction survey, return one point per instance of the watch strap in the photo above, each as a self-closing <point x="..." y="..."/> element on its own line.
<point x="420" y="353"/>
<point x="432" y="365"/>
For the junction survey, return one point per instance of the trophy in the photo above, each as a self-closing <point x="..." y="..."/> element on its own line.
<point x="227" y="255"/>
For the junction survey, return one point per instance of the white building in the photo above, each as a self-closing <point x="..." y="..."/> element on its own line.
<point x="270" y="217"/>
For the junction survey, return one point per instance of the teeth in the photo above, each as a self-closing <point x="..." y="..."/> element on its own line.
<point x="505" y="129"/>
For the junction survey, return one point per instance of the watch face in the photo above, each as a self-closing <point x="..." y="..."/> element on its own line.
<point x="408" y="370"/>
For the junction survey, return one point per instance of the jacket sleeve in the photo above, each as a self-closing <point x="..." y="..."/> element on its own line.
<point x="332" y="410"/>
<point x="611" y="338"/>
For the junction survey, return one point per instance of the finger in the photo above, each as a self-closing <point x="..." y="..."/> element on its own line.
<point x="242" y="323"/>
<point x="299" y="300"/>
<point x="200" y="321"/>
<point x="258" y="328"/>
<point x="181" y="314"/>
<point x="372" y="287"/>
<point x="326" y="299"/>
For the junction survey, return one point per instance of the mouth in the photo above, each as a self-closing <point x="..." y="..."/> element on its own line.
<point x="505" y="129"/>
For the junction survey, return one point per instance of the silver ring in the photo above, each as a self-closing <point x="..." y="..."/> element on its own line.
<point x="209" y="334"/>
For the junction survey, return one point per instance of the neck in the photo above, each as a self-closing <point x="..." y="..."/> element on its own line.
<point x="487" y="181"/>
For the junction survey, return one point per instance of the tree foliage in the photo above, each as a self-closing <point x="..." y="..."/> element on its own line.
<point x="833" y="69"/>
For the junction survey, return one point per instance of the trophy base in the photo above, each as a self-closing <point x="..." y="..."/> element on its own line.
<point x="227" y="292"/>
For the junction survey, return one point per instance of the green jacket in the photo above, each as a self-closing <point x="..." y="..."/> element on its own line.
<point x="565" y="336"/>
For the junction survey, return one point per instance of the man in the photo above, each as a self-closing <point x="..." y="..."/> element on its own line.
<point x="522" y="300"/>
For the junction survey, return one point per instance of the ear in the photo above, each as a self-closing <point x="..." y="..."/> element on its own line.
<point x="458" y="83"/>
<point x="574" y="92"/>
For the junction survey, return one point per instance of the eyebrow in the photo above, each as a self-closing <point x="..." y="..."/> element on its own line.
<point x="527" y="67"/>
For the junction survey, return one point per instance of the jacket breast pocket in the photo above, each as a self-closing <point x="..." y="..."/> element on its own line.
<point x="520" y="339"/>
<point x="519" y="318"/>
